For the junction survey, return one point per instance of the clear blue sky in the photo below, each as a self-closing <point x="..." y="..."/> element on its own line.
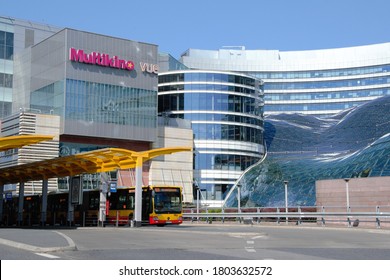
<point x="176" y="25"/>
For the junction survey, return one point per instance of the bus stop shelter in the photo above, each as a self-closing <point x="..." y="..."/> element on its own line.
<point x="103" y="160"/>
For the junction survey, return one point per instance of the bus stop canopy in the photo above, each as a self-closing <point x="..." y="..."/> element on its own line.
<point x="103" y="160"/>
<point x="18" y="141"/>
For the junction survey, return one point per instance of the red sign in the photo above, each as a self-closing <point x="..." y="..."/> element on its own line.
<point x="107" y="207"/>
<point x="101" y="59"/>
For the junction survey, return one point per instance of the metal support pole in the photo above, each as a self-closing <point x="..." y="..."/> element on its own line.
<point x="347" y="192"/>
<point x="70" y="205"/>
<point x="378" y="221"/>
<point x="197" y="202"/>
<point x="299" y="222"/>
<point x="239" y="201"/>
<point x="138" y="193"/>
<point x="323" y="216"/>
<point x="347" y="200"/>
<point x="45" y="184"/>
<point x="21" y="202"/>
<point x="286" y="198"/>
<point x="1" y="202"/>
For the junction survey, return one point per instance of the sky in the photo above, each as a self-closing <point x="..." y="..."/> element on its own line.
<point x="177" y="25"/>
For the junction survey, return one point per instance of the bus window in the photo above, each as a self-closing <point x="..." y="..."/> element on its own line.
<point x="131" y="202"/>
<point x="167" y="202"/>
<point x="122" y="202"/>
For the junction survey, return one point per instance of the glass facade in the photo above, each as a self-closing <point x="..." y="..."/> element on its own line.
<point x="303" y="149"/>
<point x="93" y="100"/>
<point x="226" y="113"/>
<point x="316" y="82"/>
<point x="100" y="105"/>
<point x="15" y="36"/>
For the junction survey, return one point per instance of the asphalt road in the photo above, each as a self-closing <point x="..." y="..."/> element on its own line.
<point x="196" y="242"/>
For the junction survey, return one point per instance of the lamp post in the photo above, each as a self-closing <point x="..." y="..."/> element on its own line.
<point x="347" y="192"/>
<point x="197" y="199"/>
<point x="286" y="198"/>
<point x="239" y="200"/>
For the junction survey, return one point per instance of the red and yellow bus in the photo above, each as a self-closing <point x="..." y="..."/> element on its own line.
<point x="161" y="205"/>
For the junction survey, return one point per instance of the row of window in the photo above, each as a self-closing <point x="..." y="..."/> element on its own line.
<point x="328" y="95"/>
<point x="208" y="87"/>
<point x="210" y="102"/>
<point x="110" y="104"/>
<point x="223" y="162"/>
<point x="104" y="103"/>
<point x="6" y="45"/>
<point x="211" y="131"/>
<point x="327" y="84"/>
<point x="193" y="116"/>
<point x="322" y="73"/>
<point x="311" y="107"/>
<point x="206" y="77"/>
<point x="6" y="80"/>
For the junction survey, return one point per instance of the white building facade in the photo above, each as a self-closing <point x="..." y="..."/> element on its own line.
<point x="316" y="82"/>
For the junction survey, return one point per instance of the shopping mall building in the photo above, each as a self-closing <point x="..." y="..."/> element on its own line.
<point x="104" y="91"/>
<point x="107" y="93"/>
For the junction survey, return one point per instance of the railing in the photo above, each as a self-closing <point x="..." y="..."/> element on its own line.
<point x="333" y="215"/>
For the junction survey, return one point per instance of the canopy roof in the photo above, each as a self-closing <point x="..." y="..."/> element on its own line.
<point x="89" y="162"/>
<point x="18" y="141"/>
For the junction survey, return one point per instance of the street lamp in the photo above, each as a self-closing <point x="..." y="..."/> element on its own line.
<point x="239" y="200"/>
<point x="197" y="199"/>
<point x="347" y="192"/>
<point x="286" y="198"/>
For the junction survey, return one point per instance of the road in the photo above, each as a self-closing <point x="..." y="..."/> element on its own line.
<point x="196" y="241"/>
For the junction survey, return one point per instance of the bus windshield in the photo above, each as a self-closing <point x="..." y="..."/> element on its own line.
<point x="167" y="201"/>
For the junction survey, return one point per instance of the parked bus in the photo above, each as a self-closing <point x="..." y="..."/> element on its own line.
<point x="161" y="205"/>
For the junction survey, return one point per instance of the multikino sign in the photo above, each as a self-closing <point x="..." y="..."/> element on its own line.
<point x="101" y="59"/>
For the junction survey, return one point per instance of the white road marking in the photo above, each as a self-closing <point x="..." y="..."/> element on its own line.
<point x="47" y="255"/>
<point x="259" y="236"/>
<point x="250" y="249"/>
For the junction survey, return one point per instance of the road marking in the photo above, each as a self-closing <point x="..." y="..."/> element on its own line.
<point x="259" y="236"/>
<point x="250" y="242"/>
<point x="47" y="255"/>
<point x="250" y="249"/>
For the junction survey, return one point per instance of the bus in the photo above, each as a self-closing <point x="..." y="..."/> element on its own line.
<point x="161" y="205"/>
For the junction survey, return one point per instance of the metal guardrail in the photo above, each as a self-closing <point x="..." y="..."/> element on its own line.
<point x="280" y="215"/>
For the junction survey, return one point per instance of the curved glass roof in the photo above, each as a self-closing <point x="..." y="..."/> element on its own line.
<point x="303" y="149"/>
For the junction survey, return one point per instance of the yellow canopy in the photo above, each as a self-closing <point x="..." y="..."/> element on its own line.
<point x="89" y="162"/>
<point x="18" y="141"/>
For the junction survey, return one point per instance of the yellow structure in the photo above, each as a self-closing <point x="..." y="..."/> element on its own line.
<point x="89" y="162"/>
<point x="18" y="141"/>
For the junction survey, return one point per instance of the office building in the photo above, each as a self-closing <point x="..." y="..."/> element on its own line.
<point x="226" y="113"/>
<point x="316" y="82"/>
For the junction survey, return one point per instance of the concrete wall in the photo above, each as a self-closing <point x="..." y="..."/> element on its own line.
<point x="365" y="194"/>
<point x="177" y="168"/>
